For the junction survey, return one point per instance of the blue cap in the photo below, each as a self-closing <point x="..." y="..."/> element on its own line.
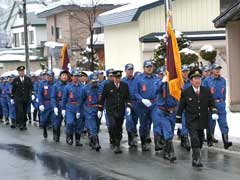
<point x="215" y="65"/>
<point x="109" y="71"/>
<point x="75" y="72"/>
<point x="93" y="77"/>
<point x="205" y="68"/>
<point x="62" y="72"/>
<point x="50" y="73"/>
<point x="148" y="63"/>
<point x="185" y="67"/>
<point x="161" y="69"/>
<point x="137" y="73"/>
<point x="129" y="66"/>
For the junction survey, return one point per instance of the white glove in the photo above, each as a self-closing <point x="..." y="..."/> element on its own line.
<point x="12" y="101"/>
<point x="33" y="97"/>
<point x="55" y="111"/>
<point x="146" y="102"/>
<point x="99" y="114"/>
<point x="63" y="113"/>
<point x="128" y="111"/>
<point x="37" y="100"/>
<point x="78" y="115"/>
<point x="215" y="116"/>
<point x="164" y="79"/>
<point x="41" y="108"/>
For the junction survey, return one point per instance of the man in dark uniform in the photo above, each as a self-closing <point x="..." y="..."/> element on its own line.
<point x="21" y="93"/>
<point x="117" y="97"/>
<point x="196" y="100"/>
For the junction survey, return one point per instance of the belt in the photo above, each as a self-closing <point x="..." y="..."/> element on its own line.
<point x="153" y="100"/>
<point x="46" y="100"/>
<point x="170" y="110"/>
<point x="219" y="100"/>
<point x="91" y="105"/>
<point x="73" y="102"/>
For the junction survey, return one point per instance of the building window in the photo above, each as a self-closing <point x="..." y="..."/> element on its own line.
<point x="31" y="37"/>
<point x="98" y="30"/>
<point x="16" y="39"/>
<point x="22" y="38"/>
<point x="58" y="33"/>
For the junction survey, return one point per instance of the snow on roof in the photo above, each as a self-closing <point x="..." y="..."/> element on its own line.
<point x="188" y="51"/>
<point x="83" y="3"/>
<point x="13" y="51"/>
<point x="135" y="4"/>
<point x="53" y="44"/>
<point x="9" y="73"/>
<point x="15" y="57"/>
<point x="207" y="48"/>
<point x="98" y="39"/>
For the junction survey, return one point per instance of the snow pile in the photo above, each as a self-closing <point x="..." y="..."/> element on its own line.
<point x="83" y="3"/>
<point x="207" y="48"/>
<point x="188" y="51"/>
<point x="135" y="4"/>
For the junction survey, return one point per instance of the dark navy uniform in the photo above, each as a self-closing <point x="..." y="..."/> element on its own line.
<point x="116" y="99"/>
<point x="21" y="93"/>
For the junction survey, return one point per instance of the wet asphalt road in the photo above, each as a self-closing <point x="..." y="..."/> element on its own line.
<point x="26" y="156"/>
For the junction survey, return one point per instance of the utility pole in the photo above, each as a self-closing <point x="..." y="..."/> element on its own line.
<point x="26" y="36"/>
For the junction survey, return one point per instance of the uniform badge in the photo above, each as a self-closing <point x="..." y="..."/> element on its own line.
<point x="89" y="98"/>
<point x="45" y="87"/>
<point x="212" y="90"/>
<point x="144" y="87"/>
<point x="59" y="94"/>
<point x="45" y="92"/>
<point x="71" y="95"/>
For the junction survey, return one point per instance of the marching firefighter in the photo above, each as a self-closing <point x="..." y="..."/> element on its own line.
<point x="71" y="109"/>
<point x="89" y="101"/>
<point x="56" y="100"/>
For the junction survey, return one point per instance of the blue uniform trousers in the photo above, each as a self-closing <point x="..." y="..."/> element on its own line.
<point x="184" y="130"/>
<point x="145" y="117"/>
<point x="91" y="119"/>
<point x="46" y="116"/>
<point x="57" y="120"/>
<point x="72" y="123"/>
<point x="132" y="119"/>
<point x="4" y="103"/>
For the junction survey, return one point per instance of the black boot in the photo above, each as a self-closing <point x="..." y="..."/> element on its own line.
<point x="7" y="120"/>
<point x="77" y="139"/>
<point x="54" y="134"/>
<point x="69" y="139"/>
<point x="131" y="140"/>
<point x="13" y="124"/>
<point x="92" y="142"/>
<point x="157" y="143"/>
<point x="185" y="142"/>
<point x="98" y="147"/>
<point x="58" y="131"/>
<point x="144" y="144"/>
<point x="117" y="149"/>
<point x="148" y="138"/>
<point x="169" y="151"/>
<point x="179" y="133"/>
<point x="196" y="157"/>
<point x="1" y="118"/>
<point x="29" y="118"/>
<point x="214" y="139"/>
<point x="45" y="135"/>
<point x="35" y="115"/>
<point x="226" y="143"/>
<point x="209" y="140"/>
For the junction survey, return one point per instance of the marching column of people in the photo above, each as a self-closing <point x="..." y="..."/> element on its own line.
<point x="144" y="96"/>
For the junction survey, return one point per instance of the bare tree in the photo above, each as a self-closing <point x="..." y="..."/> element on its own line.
<point x="85" y="15"/>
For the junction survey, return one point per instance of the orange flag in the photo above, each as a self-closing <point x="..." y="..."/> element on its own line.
<point x="65" y="58"/>
<point x="174" y="72"/>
